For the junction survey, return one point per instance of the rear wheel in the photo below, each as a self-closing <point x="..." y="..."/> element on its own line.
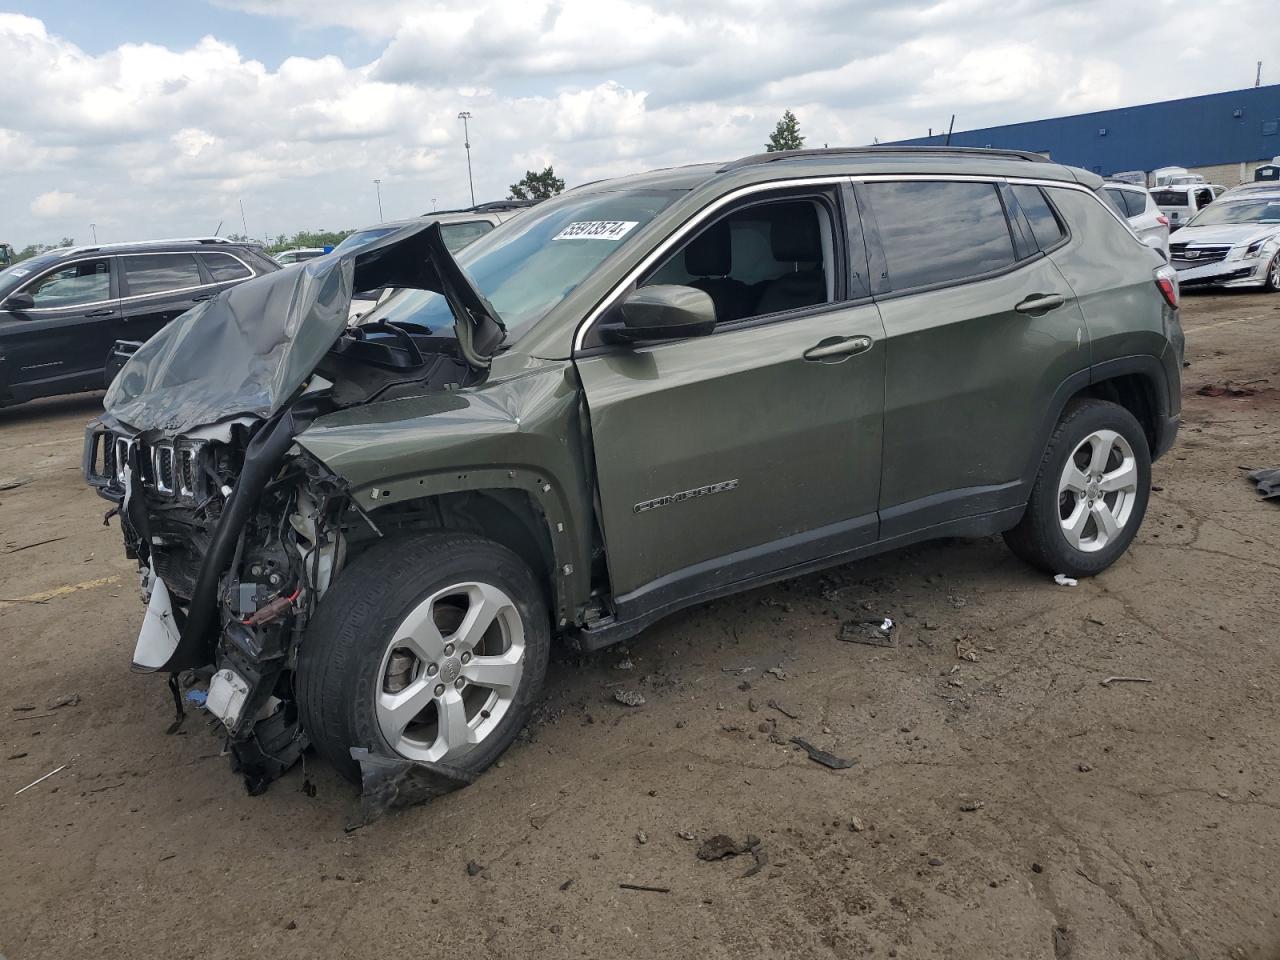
<point x="1091" y="494"/>
<point x="429" y="650"/>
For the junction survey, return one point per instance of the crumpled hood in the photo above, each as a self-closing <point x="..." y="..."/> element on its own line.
<point x="1232" y="233"/>
<point x="248" y="350"/>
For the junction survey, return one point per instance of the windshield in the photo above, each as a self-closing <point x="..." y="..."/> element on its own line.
<point x="1261" y="210"/>
<point x="533" y="262"/>
<point x="362" y="237"/>
<point x="13" y="277"/>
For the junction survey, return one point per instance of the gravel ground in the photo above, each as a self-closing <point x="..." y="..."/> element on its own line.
<point x="1004" y="802"/>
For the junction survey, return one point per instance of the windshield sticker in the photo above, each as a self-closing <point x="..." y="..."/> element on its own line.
<point x="19" y="272"/>
<point x="596" y="230"/>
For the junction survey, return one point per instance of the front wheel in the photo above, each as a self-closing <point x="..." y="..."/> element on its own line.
<point x="1090" y="495"/>
<point x="428" y="650"/>
<point x="1272" y="283"/>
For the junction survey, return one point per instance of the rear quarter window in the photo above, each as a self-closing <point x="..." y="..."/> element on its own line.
<point x="939" y="232"/>
<point x="1045" y="226"/>
<point x="224" y="267"/>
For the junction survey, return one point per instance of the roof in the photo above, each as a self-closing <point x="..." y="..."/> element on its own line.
<point x="1217" y="128"/>
<point x="786" y="164"/>
<point x="183" y="242"/>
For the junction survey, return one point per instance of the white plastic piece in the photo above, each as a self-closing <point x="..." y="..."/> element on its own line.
<point x="886" y="626"/>
<point x="1062" y="580"/>
<point x="227" y="694"/>
<point x="159" y="635"/>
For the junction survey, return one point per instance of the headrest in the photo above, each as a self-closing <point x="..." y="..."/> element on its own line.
<point x="794" y="234"/>
<point x="711" y="254"/>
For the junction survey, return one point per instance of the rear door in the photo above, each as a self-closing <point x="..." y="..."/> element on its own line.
<point x="757" y="447"/>
<point x="60" y="345"/>
<point x="982" y="328"/>
<point x="155" y="288"/>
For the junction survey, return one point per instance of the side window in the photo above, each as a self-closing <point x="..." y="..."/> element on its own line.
<point x="76" y="284"/>
<point x="458" y="235"/>
<point x="936" y="231"/>
<point x="762" y="259"/>
<point x="160" y="272"/>
<point x="1204" y="197"/>
<point x="1135" y="203"/>
<point x="1115" y="199"/>
<point x="1044" y="222"/>
<point x="224" y="267"/>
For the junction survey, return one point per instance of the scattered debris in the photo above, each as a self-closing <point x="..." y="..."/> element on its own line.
<point x="70" y="700"/>
<point x="24" y="708"/>
<point x="198" y="697"/>
<point x="777" y="672"/>
<point x="568" y="883"/>
<point x="683" y="834"/>
<point x="1083" y="767"/>
<point x="28" y="546"/>
<point x="629" y="698"/>
<point x="291" y="925"/>
<point x="624" y="665"/>
<point x="474" y="869"/>
<point x="643" y="887"/>
<point x="935" y="861"/>
<point x="966" y="653"/>
<point x="822" y="757"/>
<point x="874" y="633"/>
<point x="790" y="714"/>
<point x="12" y="483"/>
<point x="722" y="845"/>
<point x="856" y="824"/>
<point x="16" y="756"/>
<point x="1110" y="680"/>
<point x="1228" y="388"/>
<point x="1268" y="482"/>
<point x="1062" y="580"/>
<point x="1061" y="944"/>
<point x="1036" y="868"/>
<point x="41" y="780"/>
<point x="34" y="716"/>
<point x="969" y="806"/>
<point x="641" y="837"/>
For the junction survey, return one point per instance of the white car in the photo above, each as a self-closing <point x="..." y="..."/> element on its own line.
<point x="297" y="255"/>
<point x="1182" y="201"/>
<point x="1234" y="243"/>
<point x="1136" y="205"/>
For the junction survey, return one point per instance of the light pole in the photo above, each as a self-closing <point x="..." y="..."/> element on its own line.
<point x="433" y="204"/>
<point x="377" y="185"/>
<point x="93" y="228"/>
<point x="464" y="116"/>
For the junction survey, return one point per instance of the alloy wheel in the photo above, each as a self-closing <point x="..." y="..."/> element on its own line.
<point x="1097" y="490"/>
<point x="450" y="672"/>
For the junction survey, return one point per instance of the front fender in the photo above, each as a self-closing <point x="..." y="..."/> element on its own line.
<point x="520" y="430"/>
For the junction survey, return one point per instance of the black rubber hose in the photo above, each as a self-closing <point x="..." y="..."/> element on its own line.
<point x="262" y="459"/>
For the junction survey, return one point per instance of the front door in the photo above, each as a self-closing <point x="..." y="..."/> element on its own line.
<point x="982" y="327"/>
<point x="755" y="448"/>
<point x="60" y="343"/>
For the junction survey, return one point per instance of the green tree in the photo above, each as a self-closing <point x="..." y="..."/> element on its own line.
<point x="35" y="249"/>
<point x="786" y="135"/>
<point x="306" y="238"/>
<point x="537" y="186"/>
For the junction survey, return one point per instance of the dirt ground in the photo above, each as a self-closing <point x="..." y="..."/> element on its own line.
<point x="1006" y="804"/>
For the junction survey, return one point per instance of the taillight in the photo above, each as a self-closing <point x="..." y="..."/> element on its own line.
<point x="1167" y="282"/>
<point x="1162" y="220"/>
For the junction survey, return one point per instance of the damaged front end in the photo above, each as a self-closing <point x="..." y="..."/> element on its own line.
<point x="237" y="531"/>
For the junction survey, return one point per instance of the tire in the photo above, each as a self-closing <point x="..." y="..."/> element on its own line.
<point x="1065" y="529"/>
<point x="1272" y="282"/>
<point x="371" y="658"/>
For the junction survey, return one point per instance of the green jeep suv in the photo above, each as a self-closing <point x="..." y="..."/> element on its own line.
<point x="640" y="395"/>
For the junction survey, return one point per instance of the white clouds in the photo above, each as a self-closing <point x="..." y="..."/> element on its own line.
<point x="54" y="203"/>
<point x="168" y="141"/>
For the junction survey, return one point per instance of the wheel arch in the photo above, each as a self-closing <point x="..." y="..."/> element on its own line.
<point x="518" y="508"/>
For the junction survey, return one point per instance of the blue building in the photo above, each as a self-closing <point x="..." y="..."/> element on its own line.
<point x="1223" y="135"/>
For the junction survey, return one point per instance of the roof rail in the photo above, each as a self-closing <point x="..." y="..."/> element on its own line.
<point x="90" y="248"/>
<point x="883" y="150"/>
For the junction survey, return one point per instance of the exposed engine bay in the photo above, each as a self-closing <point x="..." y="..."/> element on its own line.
<point x="236" y="530"/>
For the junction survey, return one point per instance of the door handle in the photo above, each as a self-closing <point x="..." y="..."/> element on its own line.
<point x="1041" y="303"/>
<point x="207" y="296"/>
<point x="99" y="313"/>
<point x="844" y="347"/>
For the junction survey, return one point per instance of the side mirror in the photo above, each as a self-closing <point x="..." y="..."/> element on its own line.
<point x="18" y="302"/>
<point x="666" y="312"/>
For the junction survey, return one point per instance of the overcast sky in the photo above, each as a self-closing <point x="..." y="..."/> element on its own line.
<point x="155" y="119"/>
